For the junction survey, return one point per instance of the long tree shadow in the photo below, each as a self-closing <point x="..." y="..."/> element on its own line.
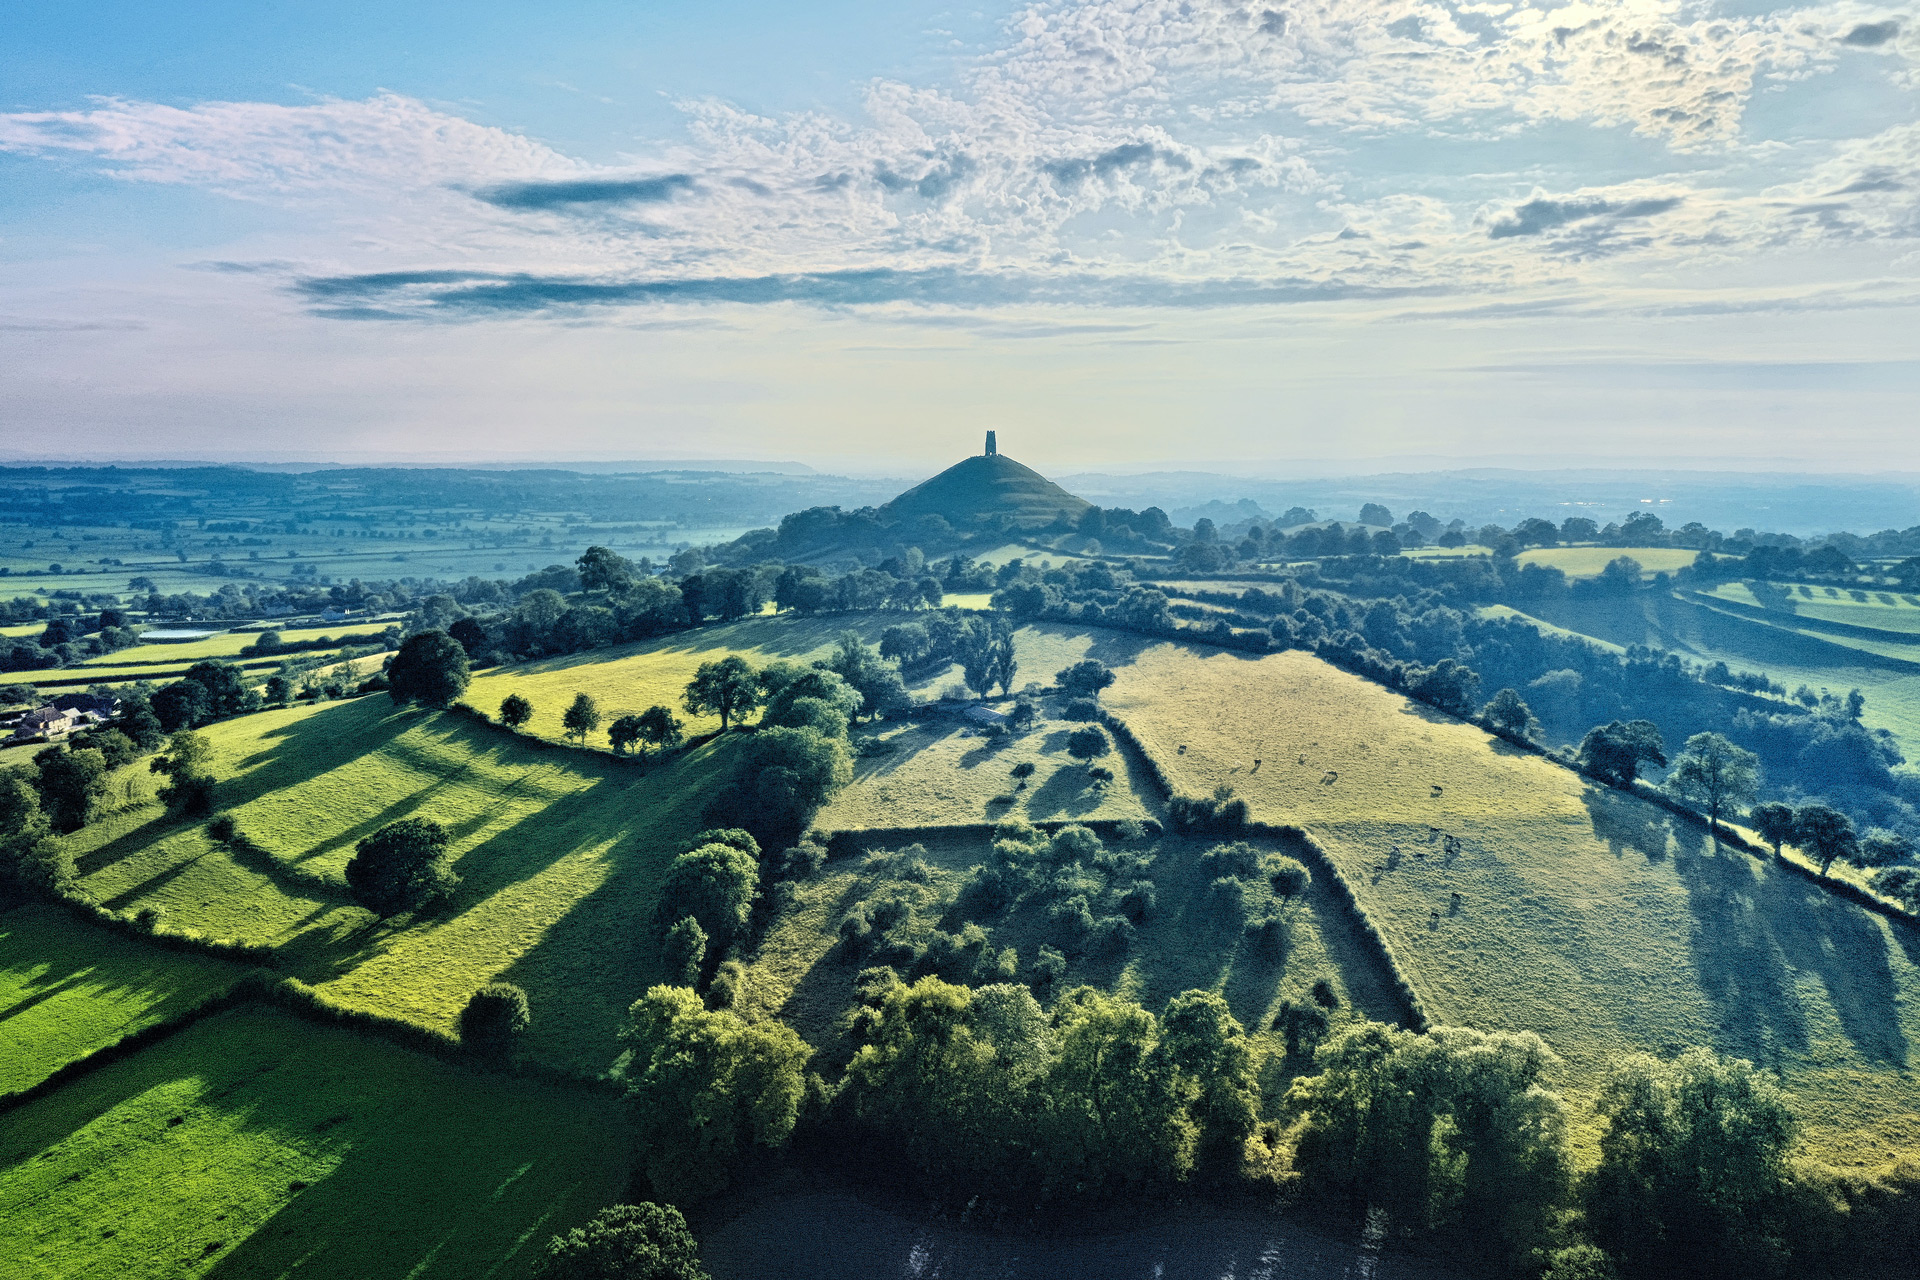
<point x="1842" y="943"/>
<point x="1624" y="823"/>
<point x="1740" y="965"/>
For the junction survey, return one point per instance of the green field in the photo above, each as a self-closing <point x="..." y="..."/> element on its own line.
<point x="1587" y="562"/>
<point x="257" y="1145"/>
<point x="1597" y="920"/>
<point x="559" y="853"/>
<point x="68" y="988"/>
<point x="228" y="644"/>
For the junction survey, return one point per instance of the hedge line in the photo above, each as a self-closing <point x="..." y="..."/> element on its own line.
<point x="850" y="840"/>
<point x="254" y="953"/>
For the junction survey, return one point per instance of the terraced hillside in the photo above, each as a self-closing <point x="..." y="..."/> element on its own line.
<point x="559" y="854"/>
<point x="1595" y="919"/>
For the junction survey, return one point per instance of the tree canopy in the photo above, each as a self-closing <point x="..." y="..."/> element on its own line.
<point x="726" y="687"/>
<point x="403" y="866"/>
<point x="431" y="667"/>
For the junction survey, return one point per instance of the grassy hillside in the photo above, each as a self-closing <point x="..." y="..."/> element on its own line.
<point x="559" y="855"/>
<point x="254" y="1144"/>
<point x="1597" y="920"/>
<point x="68" y="988"/>
<point x="1587" y="562"/>
<point x="982" y="486"/>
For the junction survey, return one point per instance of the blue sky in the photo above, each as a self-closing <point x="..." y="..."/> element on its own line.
<point x="1270" y="234"/>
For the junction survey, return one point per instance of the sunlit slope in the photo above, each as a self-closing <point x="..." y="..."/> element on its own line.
<point x="1597" y="920"/>
<point x="253" y="1144"/>
<point x="68" y="988"/>
<point x="559" y="855"/>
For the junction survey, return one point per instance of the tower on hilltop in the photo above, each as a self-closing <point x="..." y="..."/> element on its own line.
<point x="991" y="447"/>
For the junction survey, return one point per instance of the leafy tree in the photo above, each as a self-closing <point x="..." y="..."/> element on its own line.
<point x="115" y="747"/>
<point x="1693" y="1171"/>
<point x="685" y="951"/>
<point x="659" y="729"/>
<point x="582" y="718"/>
<point x="138" y="722"/>
<point x="905" y="642"/>
<point x="876" y="681"/>
<point x="470" y="636"/>
<point x="1022" y="715"/>
<point x="181" y="705"/>
<point x="279" y="690"/>
<point x="602" y="570"/>
<point x="785" y="774"/>
<point x="496" y="1015"/>
<point x="1714" y="773"/>
<point x="1614" y="752"/>
<point x="431" y="667"/>
<point x="1773" y="822"/>
<point x="1201" y="1039"/>
<point x="786" y="686"/>
<point x="31" y="864"/>
<point x="187" y="765"/>
<point x="1288" y="876"/>
<point x="1116" y="1115"/>
<point x="402" y="867"/>
<point x="1084" y="679"/>
<point x="1448" y="684"/>
<point x="725" y="687"/>
<point x="1088" y="744"/>
<point x="643" y="1241"/>
<point x="1507" y="714"/>
<point x="1902" y="884"/>
<point x="714" y="884"/>
<point x="706" y="1087"/>
<point x="1824" y="832"/>
<point x="1451" y="1128"/>
<point x="227" y="692"/>
<point x="515" y="711"/>
<point x="623" y="733"/>
<point x="71" y="784"/>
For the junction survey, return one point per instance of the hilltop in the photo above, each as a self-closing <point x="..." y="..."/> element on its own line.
<point x="989" y="487"/>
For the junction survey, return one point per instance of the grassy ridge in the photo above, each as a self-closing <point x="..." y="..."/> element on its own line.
<point x="1587" y="562"/>
<point x="1590" y="917"/>
<point x="559" y="854"/>
<point x="253" y="1144"/>
<point x="67" y="988"/>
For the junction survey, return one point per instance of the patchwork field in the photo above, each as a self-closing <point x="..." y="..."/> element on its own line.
<point x="253" y="1145"/>
<point x="559" y="854"/>
<point x="1597" y="920"/>
<point x="68" y="988"/>
<point x="229" y="644"/>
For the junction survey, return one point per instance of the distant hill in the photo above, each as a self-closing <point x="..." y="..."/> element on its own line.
<point x="985" y="487"/>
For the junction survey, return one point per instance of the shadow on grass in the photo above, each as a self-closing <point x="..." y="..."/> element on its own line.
<point x="1624" y="823"/>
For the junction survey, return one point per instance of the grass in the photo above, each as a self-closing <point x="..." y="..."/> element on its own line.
<point x="1587" y="562"/>
<point x="253" y="1144"/>
<point x="559" y="853"/>
<point x="1501" y="611"/>
<point x="227" y="645"/>
<point x="68" y="988"/>
<point x="937" y="773"/>
<point x="1597" y="920"/>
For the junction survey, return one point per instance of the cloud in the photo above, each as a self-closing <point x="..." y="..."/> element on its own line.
<point x="1543" y="213"/>
<point x="569" y="194"/>
<point x="1871" y="35"/>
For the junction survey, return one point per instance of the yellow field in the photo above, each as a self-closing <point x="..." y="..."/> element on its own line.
<point x="1505" y="611"/>
<point x="559" y="855"/>
<point x="227" y="645"/>
<point x="1597" y="920"/>
<point x="1587" y="562"/>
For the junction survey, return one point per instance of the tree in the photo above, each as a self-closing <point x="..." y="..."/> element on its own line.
<point x="1023" y="715"/>
<point x="188" y="767"/>
<point x="496" y="1015"/>
<point x="1448" y="684"/>
<point x="31" y="864"/>
<point x="582" y="718"/>
<point x="905" y="643"/>
<point x="71" y="784"/>
<point x="623" y="733"/>
<point x="1202" y="1040"/>
<point x="1824" y="832"/>
<point x="1773" y="822"/>
<point x="785" y="774"/>
<point x="1088" y="744"/>
<point x="1715" y="773"/>
<point x="643" y="1241"/>
<point x="876" y="681"/>
<point x="403" y="866"/>
<point x="1693" y="1172"/>
<point x="1506" y="714"/>
<point x="1288" y="876"/>
<point x="431" y="667"/>
<point x="515" y="711"/>
<point x="227" y="692"/>
<point x="181" y="705"/>
<point x="714" y="885"/>
<point x="726" y="687"/>
<point x="279" y="690"/>
<point x="685" y="951"/>
<point x="1084" y="679"/>
<point x="705" y="1087"/>
<point x="659" y="729"/>
<point x="1614" y="752"/>
<point x="604" y="571"/>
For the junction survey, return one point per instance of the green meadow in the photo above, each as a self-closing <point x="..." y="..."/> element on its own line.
<point x="253" y="1144"/>
<point x="68" y="988"/>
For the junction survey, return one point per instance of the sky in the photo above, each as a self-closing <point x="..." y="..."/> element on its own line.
<point x="1258" y="236"/>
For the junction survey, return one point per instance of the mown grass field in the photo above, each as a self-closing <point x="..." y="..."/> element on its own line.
<point x="228" y="645"/>
<point x="68" y="988"/>
<point x="256" y="1145"/>
<point x="1597" y="920"/>
<point x="559" y="853"/>
<point x="1587" y="562"/>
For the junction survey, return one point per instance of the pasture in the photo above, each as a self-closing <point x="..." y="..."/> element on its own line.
<point x="559" y="853"/>
<point x="1587" y="562"/>
<point x="1597" y="920"/>
<point x="68" y="988"/>
<point x="229" y="644"/>
<point x="253" y="1144"/>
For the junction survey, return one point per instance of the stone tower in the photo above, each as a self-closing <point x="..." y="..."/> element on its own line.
<point x="991" y="448"/>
